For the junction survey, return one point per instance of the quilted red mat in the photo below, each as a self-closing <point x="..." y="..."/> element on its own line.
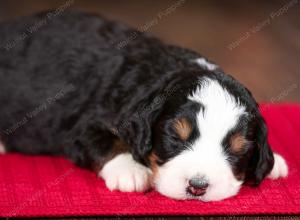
<point x="48" y="186"/>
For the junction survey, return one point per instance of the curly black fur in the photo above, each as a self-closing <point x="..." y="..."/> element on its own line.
<point x="78" y="84"/>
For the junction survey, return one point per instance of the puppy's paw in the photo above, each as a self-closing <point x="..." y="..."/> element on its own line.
<point x="125" y="174"/>
<point x="280" y="169"/>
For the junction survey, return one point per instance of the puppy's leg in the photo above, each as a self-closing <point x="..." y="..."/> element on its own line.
<point x="280" y="169"/>
<point x="125" y="174"/>
<point x="109" y="157"/>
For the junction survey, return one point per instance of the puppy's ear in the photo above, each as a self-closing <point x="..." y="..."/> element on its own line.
<point x="139" y="119"/>
<point x="262" y="160"/>
<point x="136" y="129"/>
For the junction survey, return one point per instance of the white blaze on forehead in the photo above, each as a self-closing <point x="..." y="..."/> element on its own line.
<point x="221" y="110"/>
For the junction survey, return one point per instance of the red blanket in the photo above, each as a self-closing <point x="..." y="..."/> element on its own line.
<point x="48" y="186"/>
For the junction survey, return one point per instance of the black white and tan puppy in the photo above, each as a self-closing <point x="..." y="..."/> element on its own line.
<point x="138" y="112"/>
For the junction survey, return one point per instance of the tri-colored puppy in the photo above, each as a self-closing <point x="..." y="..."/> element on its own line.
<point x="138" y="112"/>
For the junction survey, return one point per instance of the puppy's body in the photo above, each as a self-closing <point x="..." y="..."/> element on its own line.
<point x="80" y="87"/>
<point x="79" y="51"/>
<point x="76" y="51"/>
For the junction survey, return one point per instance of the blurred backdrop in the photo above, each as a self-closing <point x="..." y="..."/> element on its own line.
<point x="258" y="42"/>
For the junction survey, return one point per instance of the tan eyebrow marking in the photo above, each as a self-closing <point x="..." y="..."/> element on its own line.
<point x="183" y="128"/>
<point x="237" y="142"/>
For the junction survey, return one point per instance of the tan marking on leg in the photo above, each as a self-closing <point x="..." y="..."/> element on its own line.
<point x="154" y="165"/>
<point x="118" y="147"/>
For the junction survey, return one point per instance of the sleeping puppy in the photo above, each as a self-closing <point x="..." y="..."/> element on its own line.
<point x="138" y="112"/>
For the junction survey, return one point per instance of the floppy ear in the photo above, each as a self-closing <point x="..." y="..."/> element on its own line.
<point x="139" y="119"/>
<point x="262" y="160"/>
<point x="142" y="144"/>
<point x="136" y="129"/>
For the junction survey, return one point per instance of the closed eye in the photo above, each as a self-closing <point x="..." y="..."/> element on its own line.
<point x="188" y="146"/>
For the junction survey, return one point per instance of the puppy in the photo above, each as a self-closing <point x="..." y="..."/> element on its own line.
<point x="138" y="112"/>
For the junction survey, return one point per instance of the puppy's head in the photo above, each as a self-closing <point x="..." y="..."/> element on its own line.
<point x="207" y="141"/>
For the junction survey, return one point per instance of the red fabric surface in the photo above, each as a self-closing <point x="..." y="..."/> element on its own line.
<point x="49" y="186"/>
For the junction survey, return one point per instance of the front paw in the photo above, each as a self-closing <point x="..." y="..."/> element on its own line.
<point x="125" y="174"/>
<point x="280" y="169"/>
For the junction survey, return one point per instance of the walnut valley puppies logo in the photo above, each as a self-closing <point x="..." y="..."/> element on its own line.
<point x="275" y="99"/>
<point x="35" y="196"/>
<point x="139" y="115"/>
<point x="37" y="26"/>
<point x="161" y="15"/>
<point x="262" y="24"/>
<point x="284" y="93"/>
<point x="39" y="109"/>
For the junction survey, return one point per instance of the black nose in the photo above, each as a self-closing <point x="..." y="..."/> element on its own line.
<point x="197" y="186"/>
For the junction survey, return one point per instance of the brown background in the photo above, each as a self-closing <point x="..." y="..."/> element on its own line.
<point x="266" y="60"/>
